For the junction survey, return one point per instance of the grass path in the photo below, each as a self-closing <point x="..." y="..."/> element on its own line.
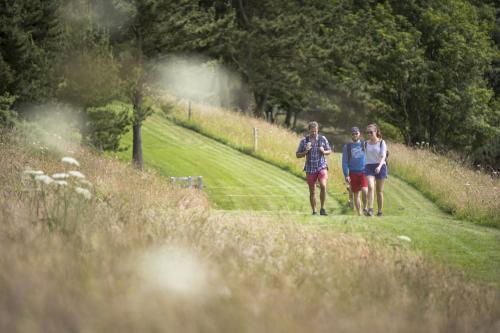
<point x="236" y="182"/>
<point x="232" y="180"/>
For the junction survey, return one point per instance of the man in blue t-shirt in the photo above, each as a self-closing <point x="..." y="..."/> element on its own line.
<point x="353" y="166"/>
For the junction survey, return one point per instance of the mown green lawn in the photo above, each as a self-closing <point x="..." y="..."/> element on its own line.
<point x="232" y="180"/>
<point x="236" y="182"/>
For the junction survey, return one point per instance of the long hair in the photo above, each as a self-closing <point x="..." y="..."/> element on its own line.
<point x="378" y="133"/>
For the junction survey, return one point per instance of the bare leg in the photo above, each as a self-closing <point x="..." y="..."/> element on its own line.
<point x="322" y="193"/>
<point x="351" y="196"/>
<point x="357" y="202"/>
<point x="380" y="194"/>
<point x="371" y="190"/>
<point x="364" y="193"/>
<point x="312" y="196"/>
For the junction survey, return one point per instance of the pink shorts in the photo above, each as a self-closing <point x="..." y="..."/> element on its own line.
<point x="312" y="178"/>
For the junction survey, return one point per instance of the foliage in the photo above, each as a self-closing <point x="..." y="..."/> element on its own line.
<point x="29" y="37"/>
<point x="428" y="68"/>
<point x="107" y="124"/>
<point x="7" y="115"/>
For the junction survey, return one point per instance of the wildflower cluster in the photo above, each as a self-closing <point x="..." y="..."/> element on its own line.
<point x="60" y="198"/>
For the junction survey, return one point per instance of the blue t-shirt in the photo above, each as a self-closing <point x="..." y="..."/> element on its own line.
<point x="357" y="163"/>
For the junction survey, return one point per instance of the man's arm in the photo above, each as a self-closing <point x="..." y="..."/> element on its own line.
<point x="345" y="165"/>
<point x="302" y="153"/>
<point x="302" y="150"/>
<point x="325" y="150"/>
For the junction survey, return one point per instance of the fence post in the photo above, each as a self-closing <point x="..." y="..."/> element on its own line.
<point x="200" y="182"/>
<point x="255" y="138"/>
<point x="172" y="179"/>
<point x="190" y="182"/>
<point x="189" y="110"/>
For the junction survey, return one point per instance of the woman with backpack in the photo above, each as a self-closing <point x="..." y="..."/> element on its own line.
<point x="375" y="167"/>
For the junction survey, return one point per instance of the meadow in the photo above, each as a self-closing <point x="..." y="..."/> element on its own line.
<point x="453" y="187"/>
<point x="235" y="183"/>
<point x="141" y="255"/>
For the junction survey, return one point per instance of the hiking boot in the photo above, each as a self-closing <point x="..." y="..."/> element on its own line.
<point x="322" y="212"/>
<point x="365" y="211"/>
<point x="379" y="213"/>
<point x="314" y="213"/>
<point x="370" y="212"/>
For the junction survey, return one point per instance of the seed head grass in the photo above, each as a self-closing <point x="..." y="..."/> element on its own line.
<point x="452" y="186"/>
<point x="125" y="264"/>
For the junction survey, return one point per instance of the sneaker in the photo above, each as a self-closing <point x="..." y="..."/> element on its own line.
<point x="314" y="213"/>
<point x="379" y="213"/>
<point x="322" y="212"/>
<point x="350" y="204"/>
<point x="370" y="212"/>
<point x="365" y="211"/>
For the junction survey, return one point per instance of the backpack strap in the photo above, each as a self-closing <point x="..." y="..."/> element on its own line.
<point x="349" y="153"/>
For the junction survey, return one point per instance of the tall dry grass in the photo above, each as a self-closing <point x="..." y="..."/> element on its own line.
<point x="466" y="193"/>
<point x="455" y="188"/>
<point x="148" y="257"/>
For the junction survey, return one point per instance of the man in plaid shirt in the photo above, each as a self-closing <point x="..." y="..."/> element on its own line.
<point x="315" y="147"/>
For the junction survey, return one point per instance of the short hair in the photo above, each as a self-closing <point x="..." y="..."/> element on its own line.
<point x="313" y="124"/>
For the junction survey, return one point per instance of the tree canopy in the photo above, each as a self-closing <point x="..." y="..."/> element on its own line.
<point x="428" y="70"/>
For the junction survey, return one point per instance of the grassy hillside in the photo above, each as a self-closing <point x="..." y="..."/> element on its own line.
<point x="173" y="150"/>
<point x="455" y="189"/>
<point x="140" y="255"/>
<point x="232" y="180"/>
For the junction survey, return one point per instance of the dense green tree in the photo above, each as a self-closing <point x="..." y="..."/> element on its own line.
<point x="29" y="35"/>
<point x="87" y="70"/>
<point x="107" y="124"/>
<point x="8" y="117"/>
<point x="142" y="33"/>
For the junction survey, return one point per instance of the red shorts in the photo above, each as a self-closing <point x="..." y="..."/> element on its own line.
<point x="358" y="180"/>
<point x="312" y="178"/>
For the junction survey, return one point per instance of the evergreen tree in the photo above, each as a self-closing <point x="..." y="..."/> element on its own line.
<point x="29" y="35"/>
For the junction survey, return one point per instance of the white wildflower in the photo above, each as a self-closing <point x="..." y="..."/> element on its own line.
<point x="44" y="179"/>
<point x="62" y="175"/>
<point x="70" y="160"/>
<point x="33" y="172"/>
<point x="61" y="183"/>
<point x="77" y="174"/>
<point x="83" y="191"/>
<point x="405" y="238"/>
<point x="84" y="182"/>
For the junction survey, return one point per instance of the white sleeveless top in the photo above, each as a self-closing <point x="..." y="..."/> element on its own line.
<point x="375" y="152"/>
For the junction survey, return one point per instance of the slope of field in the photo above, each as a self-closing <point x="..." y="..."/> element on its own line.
<point x="136" y="254"/>
<point x="235" y="181"/>
<point x="231" y="179"/>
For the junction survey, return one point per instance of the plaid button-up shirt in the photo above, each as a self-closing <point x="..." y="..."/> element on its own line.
<point x="315" y="161"/>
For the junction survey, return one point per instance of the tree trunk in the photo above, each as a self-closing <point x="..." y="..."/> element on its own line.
<point x="288" y="118"/>
<point x="137" y="146"/>
<point x="295" y="115"/>
<point x="261" y="101"/>
<point x="137" y="132"/>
